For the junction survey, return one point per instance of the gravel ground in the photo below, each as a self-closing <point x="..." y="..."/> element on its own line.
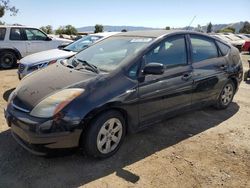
<point x="205" y="148"/>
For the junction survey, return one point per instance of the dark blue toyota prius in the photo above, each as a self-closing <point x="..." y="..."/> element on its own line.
<point x="122" y="84"/>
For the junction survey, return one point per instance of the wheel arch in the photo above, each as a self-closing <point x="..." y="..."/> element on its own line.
<point x="235" y="82"/>
<point x="86" y="121"/>
<point x="14" y="50"/>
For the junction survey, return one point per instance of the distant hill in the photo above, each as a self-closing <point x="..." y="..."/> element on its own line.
<point x="216" y="27"/>
<point x="114" y="28"/>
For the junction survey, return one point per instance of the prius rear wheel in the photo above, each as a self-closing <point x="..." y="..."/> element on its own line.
<point x="226" y="95"/>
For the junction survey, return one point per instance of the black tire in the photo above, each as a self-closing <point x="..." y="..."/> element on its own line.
<point x="245" y="76"/>
<point x="8" y="59"/>
<point x="94" y="132"/>
<point x="222" y="103"/>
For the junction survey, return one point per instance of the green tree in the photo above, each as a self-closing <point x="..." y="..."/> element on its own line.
<point x="2" y="23"/>
<point x="5" y="6"/>
<point x="59" y="30"/>
<point x="68" y="30"/>
<point x="245" y="28"/>
<point x="209" y="27"/>
<point x="227" y="30"/>
<point x="47" y="29"/>
<point x="167" y="28"/>
<point x="98" y="28"/>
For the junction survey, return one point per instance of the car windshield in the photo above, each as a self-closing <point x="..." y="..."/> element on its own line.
<point x="82" y="43"/>
<point x="108" y="54"/>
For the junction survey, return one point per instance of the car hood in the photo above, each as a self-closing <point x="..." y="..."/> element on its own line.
<point x="62" y="40"/>
<point x="35" y="87"/>
<point x="45" y="56"/>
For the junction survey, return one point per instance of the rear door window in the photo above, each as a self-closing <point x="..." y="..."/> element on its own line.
<point x="15" y="34"/>
<point x="2" y="33"/>
<point x="203" y="48"/>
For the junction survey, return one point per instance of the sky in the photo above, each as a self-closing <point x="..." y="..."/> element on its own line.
<point x="148" y="13"/>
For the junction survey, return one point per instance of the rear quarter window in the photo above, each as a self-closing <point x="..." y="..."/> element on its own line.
<point x="2" y="33"/>
<point x="223" y="48"/>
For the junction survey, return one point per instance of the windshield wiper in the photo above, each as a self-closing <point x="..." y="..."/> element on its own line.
<point x="65" y="49"/>
<point x="91" y="67"/>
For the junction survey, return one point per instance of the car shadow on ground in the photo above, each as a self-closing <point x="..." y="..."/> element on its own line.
<point x="14" y="67"/>
<point x="18" y="167"/>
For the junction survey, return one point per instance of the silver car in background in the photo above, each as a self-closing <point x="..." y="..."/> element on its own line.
<point x="42" y="59"/>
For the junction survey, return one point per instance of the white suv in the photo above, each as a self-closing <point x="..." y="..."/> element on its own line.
<point x="17" y="42"/>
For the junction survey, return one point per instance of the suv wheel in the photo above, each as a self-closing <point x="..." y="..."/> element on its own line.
<point x="7" y="59"/>
<point x="105" y="135"/>
<point x="226" y="95"/>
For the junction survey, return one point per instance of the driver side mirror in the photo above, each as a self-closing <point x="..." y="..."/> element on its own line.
<point x="48" y="39"/>
<point x="154" y="68"/>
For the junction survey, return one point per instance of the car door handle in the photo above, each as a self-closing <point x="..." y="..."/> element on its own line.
<point x="186" y="76"/>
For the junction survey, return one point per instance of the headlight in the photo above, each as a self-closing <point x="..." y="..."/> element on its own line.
<point x="55" y="103"/>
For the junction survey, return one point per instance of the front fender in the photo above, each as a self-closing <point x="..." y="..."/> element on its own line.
<point x="101" y="96"/>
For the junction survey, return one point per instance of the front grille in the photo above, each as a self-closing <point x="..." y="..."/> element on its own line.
<point x="21" y="67"/>
<point x="39" y="66"/>
<point x="33" y="68"/>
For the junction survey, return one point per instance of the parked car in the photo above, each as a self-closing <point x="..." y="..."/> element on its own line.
<point x="247" y="35"/>
<point x="234" y="40"/>
<point x="42" y="59"/>
<point x="247" y="73"/>
<point x="246" y="47"/>
<point x="17" y="42"/>
<point x="121" y="84"/>
<point x="222" y="37"/>
<point x="243" y="37"/>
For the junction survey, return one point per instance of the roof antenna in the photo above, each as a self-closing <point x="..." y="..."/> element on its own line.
<point x="191" y="22"/>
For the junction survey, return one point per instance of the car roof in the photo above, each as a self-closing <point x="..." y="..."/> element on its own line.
<point x="104" y="34"/>
<point x="16" y="26"/>
<point x="156" y="33"/>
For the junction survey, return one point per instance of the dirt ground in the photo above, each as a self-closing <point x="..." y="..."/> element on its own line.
<point x="205" y="148"/>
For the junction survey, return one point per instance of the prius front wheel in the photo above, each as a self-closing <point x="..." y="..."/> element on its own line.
<point x="105" y="135"/>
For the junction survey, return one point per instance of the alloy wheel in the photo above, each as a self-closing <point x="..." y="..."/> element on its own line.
<point x="109" y="135"/>
<point x="227" y="94"/>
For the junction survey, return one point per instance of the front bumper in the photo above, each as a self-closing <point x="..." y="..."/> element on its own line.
<point x="27" y="134"/>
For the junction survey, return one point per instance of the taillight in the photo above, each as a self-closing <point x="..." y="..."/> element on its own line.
<point x="52" y="62"/>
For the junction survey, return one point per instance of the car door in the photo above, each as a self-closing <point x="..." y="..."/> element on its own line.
<point x="209" y="69"/>
<point x="161" y="94"/>
<point x="36" y="41"/>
